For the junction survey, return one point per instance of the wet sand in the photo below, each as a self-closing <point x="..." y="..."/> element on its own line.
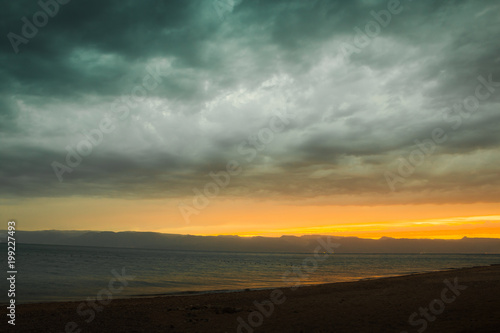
<point x="468" y="302"/>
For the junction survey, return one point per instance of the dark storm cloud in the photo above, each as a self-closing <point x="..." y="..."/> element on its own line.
<point x="224" y="77"/>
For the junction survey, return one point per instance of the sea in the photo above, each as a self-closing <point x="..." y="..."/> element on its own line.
<point x="47" y="273"/>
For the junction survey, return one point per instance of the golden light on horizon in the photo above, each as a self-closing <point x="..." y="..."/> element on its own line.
<point x="455" y="228"/>
<point x="246" y="218"/>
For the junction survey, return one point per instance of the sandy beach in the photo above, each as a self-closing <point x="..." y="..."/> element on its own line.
<point x="455" y="300"/>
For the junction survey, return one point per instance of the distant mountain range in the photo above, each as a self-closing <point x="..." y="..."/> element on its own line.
<point x="152" y="240"/>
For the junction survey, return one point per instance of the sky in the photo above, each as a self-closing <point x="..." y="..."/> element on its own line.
<point x="220" y="117"/>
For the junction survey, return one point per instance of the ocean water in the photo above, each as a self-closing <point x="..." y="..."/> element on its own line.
<point x="62" y="273"/>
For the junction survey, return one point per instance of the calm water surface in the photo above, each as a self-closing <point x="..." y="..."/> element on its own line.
<point x="48" y="273"/>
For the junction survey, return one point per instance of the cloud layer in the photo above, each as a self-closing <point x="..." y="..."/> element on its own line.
<point x="227" y="69"/>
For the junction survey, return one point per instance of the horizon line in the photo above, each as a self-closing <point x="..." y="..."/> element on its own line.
<point x="250" y="236"/>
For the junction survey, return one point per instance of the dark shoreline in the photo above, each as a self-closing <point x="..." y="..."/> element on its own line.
<point x="376" y="305"/>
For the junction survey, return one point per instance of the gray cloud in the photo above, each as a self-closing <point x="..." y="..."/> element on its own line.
<point x="226" y="76"/>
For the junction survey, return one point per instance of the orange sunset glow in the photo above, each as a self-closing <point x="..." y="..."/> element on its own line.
<point x="258" y="133"/>
<point x="252" y="218"/>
